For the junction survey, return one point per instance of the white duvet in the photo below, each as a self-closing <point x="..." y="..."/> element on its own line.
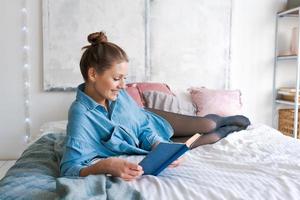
<point x="258" y="163"/>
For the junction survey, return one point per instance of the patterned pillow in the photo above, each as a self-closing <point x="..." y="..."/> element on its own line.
<point x="221" y="102"/>
<point x="167" y="102"/>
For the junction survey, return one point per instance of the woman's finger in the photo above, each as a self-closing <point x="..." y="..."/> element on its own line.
<point x="134" y="166"/>
<point x="135" y="173"/>
<point x="127" y="176"/>
<point x="173" y="165"/>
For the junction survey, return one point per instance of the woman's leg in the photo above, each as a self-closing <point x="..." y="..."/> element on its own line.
<point x="212" y="126"/>
<point x="236" y="120"/>
<point x="214" y="136"/>
<point x="185" y="125"/>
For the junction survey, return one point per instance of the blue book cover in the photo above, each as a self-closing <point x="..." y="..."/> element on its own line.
<point x="162" y="156"/>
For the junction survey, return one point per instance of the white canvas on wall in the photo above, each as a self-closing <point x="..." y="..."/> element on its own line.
<point x="190" y="42"/>
<point x="66" y="24"/>
<point x="182" y="43"/>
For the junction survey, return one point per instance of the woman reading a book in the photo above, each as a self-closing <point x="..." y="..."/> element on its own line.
<point x="105" y="122"/>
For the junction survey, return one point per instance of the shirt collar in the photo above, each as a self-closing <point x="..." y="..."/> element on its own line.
<point x="86" y="100"/>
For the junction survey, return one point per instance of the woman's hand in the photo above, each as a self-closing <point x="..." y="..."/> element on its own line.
<point x="122" y="168"/>
<point x="154" y="145"/>
<point x="174" y="163"/>
<point x="177" y="162"/>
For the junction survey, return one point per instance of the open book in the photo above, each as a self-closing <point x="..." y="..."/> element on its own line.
<point x="164" y="154"/>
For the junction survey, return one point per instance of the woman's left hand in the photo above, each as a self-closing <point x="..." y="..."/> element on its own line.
<point x="177" y="162"/>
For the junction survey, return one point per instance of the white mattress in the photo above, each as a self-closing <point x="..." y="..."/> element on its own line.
<point x="258" y="163"/>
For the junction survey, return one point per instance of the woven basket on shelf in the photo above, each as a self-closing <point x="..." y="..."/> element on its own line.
<point x="286" y="121"/>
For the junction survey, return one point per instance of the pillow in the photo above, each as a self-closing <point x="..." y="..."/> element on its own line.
<point x="54" y="127"/>
<point x="160" y="87"/>
<point x="220" y="102"/>
<point x="144" y="86"/>
<point x="167" y="102"/>
<point x="134" y="93"/>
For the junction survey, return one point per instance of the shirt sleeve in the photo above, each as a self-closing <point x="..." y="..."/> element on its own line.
<point x="148" y="135"/>
<point x="154" y="129"/>
<point x="77" y="155"/>
<point x="78" y="147"/>
<point x="71" y="169"/>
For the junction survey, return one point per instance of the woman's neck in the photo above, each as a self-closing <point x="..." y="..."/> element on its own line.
<point x="91" y="92"/>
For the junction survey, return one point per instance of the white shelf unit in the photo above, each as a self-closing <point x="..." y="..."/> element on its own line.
<point x="295" y="12"/>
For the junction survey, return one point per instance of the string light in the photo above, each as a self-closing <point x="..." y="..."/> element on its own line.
<point x="26" y="71"/>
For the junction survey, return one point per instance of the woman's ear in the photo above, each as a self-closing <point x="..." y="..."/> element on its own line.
<point x="92" y="74"/>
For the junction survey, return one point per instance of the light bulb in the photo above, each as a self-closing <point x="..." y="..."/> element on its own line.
<point x="24" y="10"/>
<point x="27" y="84"/>
<point x="27" y="120"/>
<point x="25" y="29"/>
<point x="26" y="47"/>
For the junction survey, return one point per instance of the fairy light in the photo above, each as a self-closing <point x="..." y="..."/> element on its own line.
<point x="26" y="71"/>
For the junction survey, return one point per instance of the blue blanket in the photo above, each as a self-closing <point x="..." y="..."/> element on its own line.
<point x="35" y="175"/>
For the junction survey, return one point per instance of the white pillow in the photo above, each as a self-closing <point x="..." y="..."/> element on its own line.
<point x="54" y="127"/>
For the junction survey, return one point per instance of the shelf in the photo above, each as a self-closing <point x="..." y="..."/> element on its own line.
<point x="295" y="12"/>
<point x="289" y="13"/>
<point x="286" y="102"/>
<point x="291" y="57"/>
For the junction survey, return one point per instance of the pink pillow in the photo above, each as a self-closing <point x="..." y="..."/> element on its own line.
<point x="159" y="87"/>
<point x="144" y="86"/>
<point x="134" y="93"/>
<point x="220" y="102"/>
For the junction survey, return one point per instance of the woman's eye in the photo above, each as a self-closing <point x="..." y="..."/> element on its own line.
<point x="116" y="79"/>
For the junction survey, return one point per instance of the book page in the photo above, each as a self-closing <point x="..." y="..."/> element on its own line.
<point x="190" y="141"/>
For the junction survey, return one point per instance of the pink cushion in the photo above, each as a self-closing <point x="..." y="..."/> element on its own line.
<point x="221" y="102"/>
<point x="159" y="87"/>
<point x="134" y="93"/>
<point x="144" y="86"/>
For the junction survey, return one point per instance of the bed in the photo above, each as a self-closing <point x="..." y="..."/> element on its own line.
<point x="257" y="163"/>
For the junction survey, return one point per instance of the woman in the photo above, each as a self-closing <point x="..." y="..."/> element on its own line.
<point x="105" y="122"/>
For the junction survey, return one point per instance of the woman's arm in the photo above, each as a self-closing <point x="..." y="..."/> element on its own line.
<point x="116" y="167"/>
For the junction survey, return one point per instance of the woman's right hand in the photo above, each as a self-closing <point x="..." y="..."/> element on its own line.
<point x="122" y="168"/>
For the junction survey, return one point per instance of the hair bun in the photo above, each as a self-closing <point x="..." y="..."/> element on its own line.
<point x="97" y="38"/>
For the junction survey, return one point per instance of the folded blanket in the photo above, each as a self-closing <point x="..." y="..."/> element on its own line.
<point x="35" y="175"/>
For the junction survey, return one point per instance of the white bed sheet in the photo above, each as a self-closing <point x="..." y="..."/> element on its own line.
<point x="257" y="163"/>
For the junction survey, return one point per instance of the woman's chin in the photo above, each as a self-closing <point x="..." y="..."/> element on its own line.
<point x="113" y="97"/>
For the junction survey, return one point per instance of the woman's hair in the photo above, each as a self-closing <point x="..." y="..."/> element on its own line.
<point x="100" y="54"/>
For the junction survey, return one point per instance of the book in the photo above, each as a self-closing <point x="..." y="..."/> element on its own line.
<point x="164" y="154"/>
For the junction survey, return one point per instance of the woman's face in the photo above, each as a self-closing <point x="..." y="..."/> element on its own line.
<point x="108" y="83"/>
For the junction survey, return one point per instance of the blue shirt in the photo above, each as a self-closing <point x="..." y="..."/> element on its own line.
<point x="92" y="131"/>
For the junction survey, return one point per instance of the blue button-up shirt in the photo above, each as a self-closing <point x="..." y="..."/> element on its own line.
<point x="93" y="131"/>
